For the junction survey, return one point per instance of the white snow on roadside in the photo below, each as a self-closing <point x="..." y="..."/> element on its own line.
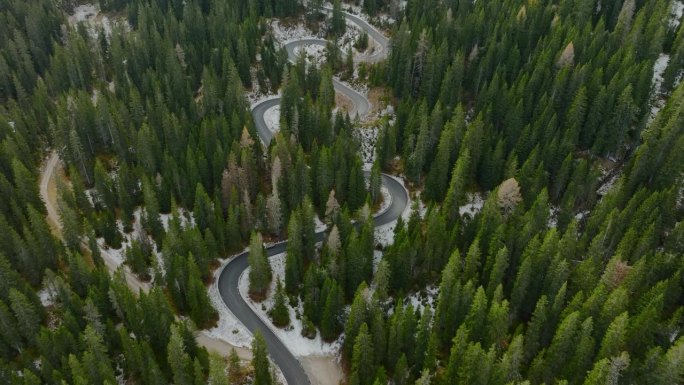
<point x="367" y="137"/>
<point x="287" y="33"/>
<point x="386" y="200"/>
<point x="314" y="53"/>
<point x="272" y="118"/>
<point x="349" y="38"/>
<point x="228" y="327"/>
<point x="384" y="235"/>
<point x="279" y="376"/>
<point x="257" y="97"/>
<point x="290" y="336"/>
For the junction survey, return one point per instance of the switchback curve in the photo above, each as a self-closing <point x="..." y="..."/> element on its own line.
<point x="229" y="277"/>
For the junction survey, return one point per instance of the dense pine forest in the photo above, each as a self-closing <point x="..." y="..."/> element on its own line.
<point x="541" y="143"/>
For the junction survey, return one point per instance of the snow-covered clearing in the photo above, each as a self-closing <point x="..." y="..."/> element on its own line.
<point x="272" y="118"/>
<point x="228" y="327"/>
<point x="90" y="15"/>
<point x="291" y="336"/>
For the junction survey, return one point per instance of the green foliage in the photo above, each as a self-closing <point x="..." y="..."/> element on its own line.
<point x="260" y="269"/>
<point x="280" y="313"/>
<point x="337" y="23"/>
<point x="260" y="362"/>
<point x="567" y="286"/>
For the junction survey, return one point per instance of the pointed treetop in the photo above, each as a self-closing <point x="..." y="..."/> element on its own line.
<point x="246" y="139"/>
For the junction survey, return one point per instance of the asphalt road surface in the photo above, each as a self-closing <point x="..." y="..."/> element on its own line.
<point x="230" y="275"/>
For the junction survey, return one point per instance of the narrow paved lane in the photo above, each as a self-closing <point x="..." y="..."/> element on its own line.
<point x="360" y="102"/>
<point x="229" y="277"/>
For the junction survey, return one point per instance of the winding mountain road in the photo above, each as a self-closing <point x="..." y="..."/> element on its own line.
<point x="230" y="275"/>
<point x="360" y="103"/>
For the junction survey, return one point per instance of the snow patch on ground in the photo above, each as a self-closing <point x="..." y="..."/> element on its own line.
<point x="279" y="376"/>
<point x="377" y="257"/>
<point x="367" y="137"/>
<point x="228" y="328"/>
<point x="46" y="297"/>
<point x="676" y="14"/>
<point x="314" y="53"/>
<point x="581" y="215"/>
<point x="90" y="15"/>
<point x="658" y="68"/>
<point x="292" y="335"/>
<point x="272" y="118"/>
<point x="287" y="33"/>
<point x="320" y="225"/>
<point x="186" y="219"/>
<point x="425" y="297"/>
<point x="386" y="20"/>
<point x="358" y="86"/>
<point x="608" y="185"/>
<point x="474" y="205"/>
<point x="386" y="200"/>
<point x="349" y="38"/>
<point x="657" y="98"/>
<point x="116" y="255"/>
<point x="553" y="217"/>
